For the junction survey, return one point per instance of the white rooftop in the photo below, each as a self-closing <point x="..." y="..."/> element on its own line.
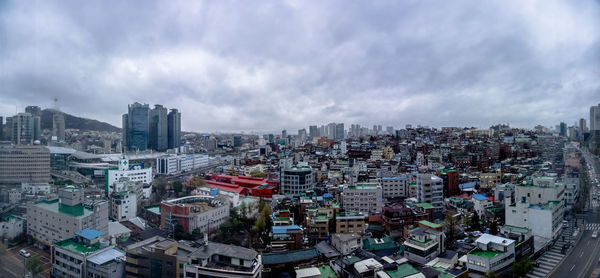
<point x="308" y="272"/>
<point x="487" y="238"/>
<point x="106" y="256"/>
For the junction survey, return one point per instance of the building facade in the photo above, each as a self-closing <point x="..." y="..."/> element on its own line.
<point x="24" y="164"/>
<point x="430" y="189"/>
<point x="296" y="180"/>
<point x="363" y="197"/>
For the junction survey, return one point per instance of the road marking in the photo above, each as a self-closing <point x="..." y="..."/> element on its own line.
<point x="572" y="268"/>
<point x="581" y="254"/>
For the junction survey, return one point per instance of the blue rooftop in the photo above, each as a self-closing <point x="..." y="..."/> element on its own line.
<point x="467" y="185"/>
<point x="480" y="197"/>
<point x="327" y="196"/>
<point x="394" y="178"/>
<point x="89" y="234"/>
<point x="283" y="229"/>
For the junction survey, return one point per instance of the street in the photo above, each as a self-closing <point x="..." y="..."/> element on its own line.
<point x="583" y="260"/>
<point x="13" y="263"/>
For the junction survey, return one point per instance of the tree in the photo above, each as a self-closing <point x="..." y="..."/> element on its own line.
<point x="180" y="233"/>
<point x="197" y="234"/>
<point x="451" y="227"/>
<point x="490" y="274"/>
<point x="161" y="187"/>
<point x="197" y="181"/>
<point x="494" y="227"/>
<point x="34" y="265"/>
<point x="177" y="186"/>
<point x="257" y="173"/>
<point x="522" y="267"/>
<point x="467" y="220"/>
<point x="475" y="221"/>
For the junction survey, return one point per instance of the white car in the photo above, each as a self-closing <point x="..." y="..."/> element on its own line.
<point x="24" y="253"/>
<point x="595" y="234"/>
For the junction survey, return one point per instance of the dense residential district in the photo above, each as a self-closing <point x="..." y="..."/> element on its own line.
<point x="148" y="200"/>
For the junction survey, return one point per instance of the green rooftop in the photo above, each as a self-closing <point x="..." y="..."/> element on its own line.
<point x="425" y="205"/>
<point x="55" y="206"/>
<point x="403" y="270"/>
<point x="154" y="209"/>
<point x="353" y="259"/>
<point x="485" y="254"/>
<point x="77" y="247"/>
<point x="369" y="244"/>
<point x="327" y="272"/>
<point x="430" y="224"/>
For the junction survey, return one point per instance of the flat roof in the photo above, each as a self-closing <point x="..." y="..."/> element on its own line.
<point x="430" y="224"/>
<point x="106" y="256"/>
<point x="56" y="206"/>
<point x="485" y="254"/>
<point x="77" y="247"/>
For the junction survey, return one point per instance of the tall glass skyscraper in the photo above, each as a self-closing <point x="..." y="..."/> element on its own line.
<point x="174" y="129"/>
<point x="157" y="137"/>
<point x="135" y="127"/>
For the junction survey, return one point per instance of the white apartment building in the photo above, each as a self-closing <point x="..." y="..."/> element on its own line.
<point x="492" y="254"/>
<point x="541" y="190"/>
<point x="35" y="188"/>
<point x="395" y="186"/>
<point x="135" y="173"/>
<point x="11" y="227"/>
<point x="430" y="189"/>
<point x="123" y="205"/>
<point x="544" y="220"/>
<point x="175" y="164"/>
<point x="363" y="197"/>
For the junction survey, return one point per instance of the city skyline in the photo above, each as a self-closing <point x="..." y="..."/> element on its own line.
<point x="283" y="65"/>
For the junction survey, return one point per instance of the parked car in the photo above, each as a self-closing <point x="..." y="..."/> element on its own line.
<point x="595" y="234"/>
<point x="24" y="253"/>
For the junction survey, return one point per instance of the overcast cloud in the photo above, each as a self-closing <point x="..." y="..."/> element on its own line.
<point x="267" y="65"/>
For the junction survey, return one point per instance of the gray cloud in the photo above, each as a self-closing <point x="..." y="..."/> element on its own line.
<point x="288" y="64"/>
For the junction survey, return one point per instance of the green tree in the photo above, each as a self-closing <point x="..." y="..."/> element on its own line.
<point x="475" y="221"/>
<point x="197" y="181"/>
<point x="177" y="186"/>
<point x="490" y="274"/>
<point x="494" y="227"/>
<point x="451" y="227"/>
<point x="467" y="220"/>
<point x="522" y="267"/>
<point x="161" y="187"/>
<point x="180" y="233"/>
<point x="197" y="234"/>
<point x="257" y="173"/>
<point x="34" y="265"/>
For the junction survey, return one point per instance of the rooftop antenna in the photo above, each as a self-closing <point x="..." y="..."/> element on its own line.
<point x="56" y="103"/>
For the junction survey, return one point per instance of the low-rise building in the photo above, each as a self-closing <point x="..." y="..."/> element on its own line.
<point x="346" y="243"/>
<point x="284" y="238"/>
<point x="85" y="255"/>
<point x="222" y="260"/>
<point x="11" y="227"/>
<point x="544" y="220"/>
<point x="395" y="186"/>
<point x="430" y="190"/>
<point x="59" y="219"/>
<point x="350" y="222"/>
<point x="194" y="212"/>
<point x="363" y="197"/>
<point x="135" y="173"/>
<point x="423" y="245"/>
<point x="491" y="254"/>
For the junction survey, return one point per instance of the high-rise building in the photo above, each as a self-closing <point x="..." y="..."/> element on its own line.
<point x="174" y="129"/>
<point x="1" y="128"/>
<point x="22" y="129"/>
<point x="237" y="141"/>
<point x="8" y="129"/>
<point x="58" y="126"/>
<point x="339" y="132"/>
<point x="595" y="118"/>
<point x="563" y="130"/>
<point x="283" y="134"/>
<point x="390" y="130"/>
<point x="36" y="113"/>
<point x="135" y="127"/>
<point x="157" y="133"/>
<point x="582" y="126"/>
<point x="313" y="131"/>
<point x="302" y="135"/>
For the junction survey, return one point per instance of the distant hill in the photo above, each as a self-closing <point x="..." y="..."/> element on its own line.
<point x="76" y="122"/>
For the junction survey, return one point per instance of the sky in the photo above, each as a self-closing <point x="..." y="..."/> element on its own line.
<point x="235" y="66"/>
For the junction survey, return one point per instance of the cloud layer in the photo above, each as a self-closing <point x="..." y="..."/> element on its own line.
<point x="267" y="65"/>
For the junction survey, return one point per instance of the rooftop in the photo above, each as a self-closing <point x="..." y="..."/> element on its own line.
<point x="364" y="186"/>
<point x="55" y="206"/>
<point x="78" y="247"/>
<point x="233" y="251"/>
<point x="425" y="205"/>
<point x="154" y="209"/>
<point x="403" y="270"/>
<point x="485" y="254"/>
<point x="430" y="224"/>
<point x="106" y="256"/>
<point x="487" y="238"/>
<point x="89" y="234"/>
